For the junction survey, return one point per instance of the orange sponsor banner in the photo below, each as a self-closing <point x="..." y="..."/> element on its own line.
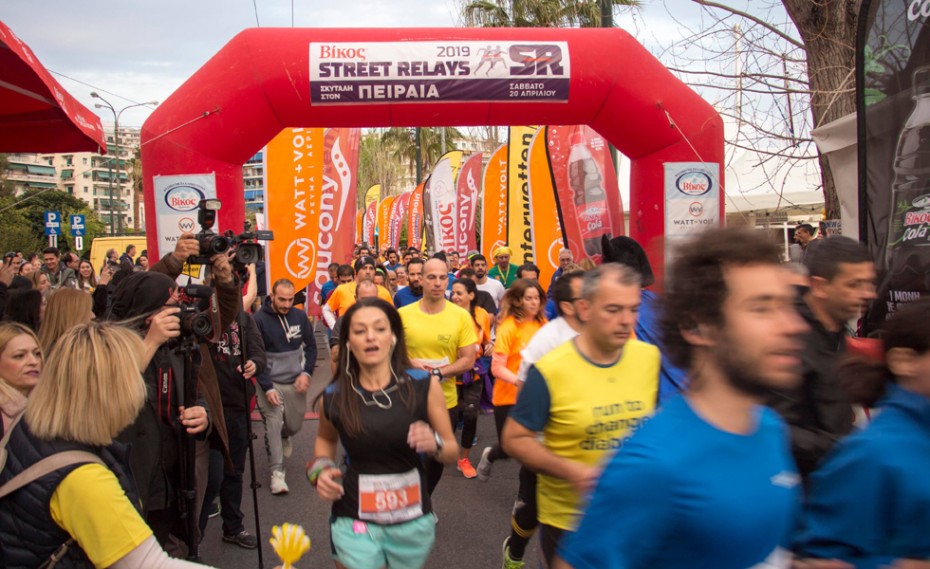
<point x="544" y="216"/>
<point x="358" y="225"/>
<point x="519" y="228"/>
<point x="289" y="200"/>
<point x="494" y="204"/>
<point x="415" y="226"/>
<point x="384" y="220"/>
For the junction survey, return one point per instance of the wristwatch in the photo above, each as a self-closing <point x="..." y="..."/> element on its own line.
<point x="436" y="373"/>
<point x="439" y="443"/>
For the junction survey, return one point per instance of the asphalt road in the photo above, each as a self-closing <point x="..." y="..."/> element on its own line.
<point x="474" y="517"/>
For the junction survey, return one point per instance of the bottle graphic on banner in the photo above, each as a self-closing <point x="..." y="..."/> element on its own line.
<point x="910" y="192"/>
<point x="590" y="197"/>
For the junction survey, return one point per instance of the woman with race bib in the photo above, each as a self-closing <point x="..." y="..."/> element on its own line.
<point x="386" y="415"/>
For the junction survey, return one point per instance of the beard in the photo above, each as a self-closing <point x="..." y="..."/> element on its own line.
<point x="416" y="289"/>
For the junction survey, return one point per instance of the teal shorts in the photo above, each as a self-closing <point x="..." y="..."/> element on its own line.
<point x="366" y="545"/>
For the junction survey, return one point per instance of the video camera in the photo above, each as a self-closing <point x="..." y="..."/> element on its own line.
<point x="247" y="250"/>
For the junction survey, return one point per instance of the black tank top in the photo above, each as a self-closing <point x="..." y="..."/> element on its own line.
<point x="385" y="481"/>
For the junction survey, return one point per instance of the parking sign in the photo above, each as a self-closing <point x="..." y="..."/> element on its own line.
<point x="52" y="223"/>
<point x="77" y="226"/>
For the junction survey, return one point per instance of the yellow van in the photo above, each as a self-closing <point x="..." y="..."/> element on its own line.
<point x="100" y="246"/>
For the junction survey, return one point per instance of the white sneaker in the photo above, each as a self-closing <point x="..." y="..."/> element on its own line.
<point x="287" y="446"/>
<point x="484" y="465"/>
<point x="278" y="485"/>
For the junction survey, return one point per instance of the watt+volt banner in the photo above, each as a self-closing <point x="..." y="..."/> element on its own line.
<point x="494" y="204"/>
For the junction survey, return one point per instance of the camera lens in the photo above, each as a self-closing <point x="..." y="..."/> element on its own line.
<point x="248" y="253"/>
<point x="213" y="244"/>
<point x="197" y="323"/>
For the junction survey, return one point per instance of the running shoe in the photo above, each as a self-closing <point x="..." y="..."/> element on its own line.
<point x="509" y="563"/>
<point x="278" y="485"/>
<point x="484" y="465"/>
<point x="287" y="446"/>
<point x="215" y="510"/>
<point x="465" y="467"/>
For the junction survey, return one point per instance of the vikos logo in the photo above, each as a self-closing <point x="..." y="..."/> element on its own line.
<point x="694" y="183"/>
<point x="183" y="198"/>
<point x="922" y="202"/>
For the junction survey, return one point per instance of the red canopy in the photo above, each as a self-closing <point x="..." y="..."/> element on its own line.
<point x="36" y="113"/>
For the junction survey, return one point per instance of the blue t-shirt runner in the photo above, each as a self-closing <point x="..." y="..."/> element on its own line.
<point x="683" y="493"/>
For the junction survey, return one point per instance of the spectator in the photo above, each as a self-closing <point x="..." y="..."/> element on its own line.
<point x="20" y="370"/>
<point x="90" y="391"/>
<point x="25" y="306"/>
<point x="40" y="282"/>
<point x="58" y="274"/>
<point x="503" y="270"/>
<point x="65" y="309"/>
<point x="126" y="259"/>
<point x="142" y="264"/>
<point x="86" y="278"/>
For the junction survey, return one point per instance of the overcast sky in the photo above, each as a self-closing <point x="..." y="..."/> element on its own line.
<point x="133" y="51"/>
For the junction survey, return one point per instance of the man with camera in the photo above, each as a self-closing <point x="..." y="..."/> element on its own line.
<point x="151" y="302"/>
<point x="290" y="349"/>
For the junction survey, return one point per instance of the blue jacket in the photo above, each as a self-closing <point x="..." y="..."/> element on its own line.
<point x="870" y="499"/>
<point x="290" y="347"/>
<point x="672" y="379"/>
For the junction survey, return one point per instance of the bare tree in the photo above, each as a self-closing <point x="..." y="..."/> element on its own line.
<point x="777" y="72"/>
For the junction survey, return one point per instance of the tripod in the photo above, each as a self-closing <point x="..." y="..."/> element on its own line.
<point x="188" y="491"/>
<point x="255" y="485"/>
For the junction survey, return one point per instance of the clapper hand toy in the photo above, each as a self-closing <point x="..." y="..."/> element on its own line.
<point x="290" y="542"/>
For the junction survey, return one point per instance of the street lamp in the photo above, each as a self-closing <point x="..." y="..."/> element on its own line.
<point x="116" y="115"/>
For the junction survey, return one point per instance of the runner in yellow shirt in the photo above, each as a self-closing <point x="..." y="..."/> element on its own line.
<point x="441" y="340"/>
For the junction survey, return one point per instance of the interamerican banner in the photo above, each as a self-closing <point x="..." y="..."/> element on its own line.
<point x="494" y="203"/>
<point x="398" y="217"/>
<point x="442" y="201"/>
<point x="547" y="230"/>
<point x="384" y="221"/>
<point x="415" y="225"/>
<point x="466" y="202"/>
<point x="519" y="224"/>
<point x="586" y="187"/>
<point x="310" y="205"/>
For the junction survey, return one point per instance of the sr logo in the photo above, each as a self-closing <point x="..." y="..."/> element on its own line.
<point x="537" y="59"/>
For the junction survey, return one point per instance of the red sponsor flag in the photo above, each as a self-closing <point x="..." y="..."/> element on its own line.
<point x="398" y="216"/>
<point x="415" y="225"/>
<point x="466" y="200"/>
<point x="494" y="204"/>
<point x="368" y="224"/>
<point x="586" y="187"/>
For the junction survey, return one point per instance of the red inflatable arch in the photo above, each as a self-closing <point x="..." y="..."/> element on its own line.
<point x="259" y="84"/>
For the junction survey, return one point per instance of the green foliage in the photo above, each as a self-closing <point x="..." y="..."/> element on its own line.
<point x="536" y="13"/>
<point x="23" y="220"/>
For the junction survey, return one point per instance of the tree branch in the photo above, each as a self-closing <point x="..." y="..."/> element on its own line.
<point x="751" y="18"/>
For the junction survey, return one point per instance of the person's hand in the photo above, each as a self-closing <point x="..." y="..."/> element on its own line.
<point x="186" y="247"/>
<point x="105" y="276"/>
<point x="583" y="477"/>
<point x="273" y="397"/>
<point x="164" y="325"/>
<point x="222" y="270"/>
<point x="420" y="364"/>
<point x="328" y="486"/>
<point x="6" y="273"/>
<point x="249" y="371"/>
<point x="302" y="383"/>
<point x="812" y="563"/>
<point x="488" y="349"/>
<point x="194" y="419"/>
<point x="420" y="437"/>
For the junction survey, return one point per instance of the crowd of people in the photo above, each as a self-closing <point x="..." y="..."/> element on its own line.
<point x="729" y="421"/>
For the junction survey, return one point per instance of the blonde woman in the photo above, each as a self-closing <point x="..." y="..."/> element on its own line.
<point x="40" y="281"/>
<point x="20" y="368"/>
<point x="91" y="390"/>
<point x="66" y="308"/>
